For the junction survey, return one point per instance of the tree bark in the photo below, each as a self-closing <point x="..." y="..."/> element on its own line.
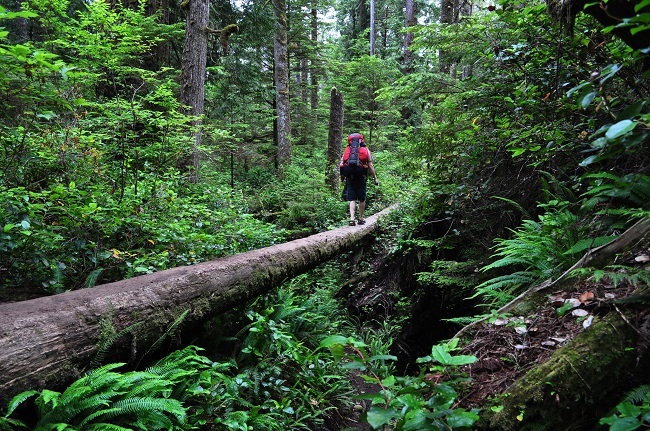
<point x="584" y="379"/>
<point x="410" y="20"/>
<point x="314" y="62"/>
<point x="281" y="72"/>
<point x="372" y="28"/>
<point x="334" y="138"/>
<point x="49" y="341"/>
<point x="195" y="54"/>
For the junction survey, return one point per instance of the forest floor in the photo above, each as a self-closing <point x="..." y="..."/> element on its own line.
<point x="507" y="346"/>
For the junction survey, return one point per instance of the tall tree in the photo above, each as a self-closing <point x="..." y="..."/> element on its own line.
<point x="314" y="62"/>
<point x="372" y="27"/>
<point x="334" y="137"/>
<point x="410" y="20"/>
<point x="195" y="51"/>
<point x="281" y="74"/>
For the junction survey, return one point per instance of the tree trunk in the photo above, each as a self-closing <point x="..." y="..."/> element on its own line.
<point x="372" y="27"/>
<point x="49" y="341"/>
<point x="195" y="52"/>
<point x="578" y="384"/>
<point x="281" y="72"/>
<point x="409" y="20"/>
<point x="334" y="138"/>
<point x="314" y="62"/>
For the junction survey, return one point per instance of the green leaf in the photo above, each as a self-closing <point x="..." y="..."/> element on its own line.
<point x="440" y="354"/>
<point x="383" y="357"/>
<point x="409" y="400"/>
<point x="517" y="151"/>
<point x="587" y="99"/>
<point x="631" y="111"/>
<point x="641" y="5"/>
<point x="625" y="424"/>
<point x="8" y="227"/>
<point x="628" y="409"/>
<point x="620" y="129"/>
<point x="333" y="340"/>
<point x="378" y="416"/>
<point x="460" y="419"/>
<point x="589" y="160"/>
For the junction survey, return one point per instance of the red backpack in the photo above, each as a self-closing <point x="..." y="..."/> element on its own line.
<point x="355" y="157"/>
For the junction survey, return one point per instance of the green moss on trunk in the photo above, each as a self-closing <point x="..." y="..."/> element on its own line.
<point x="573" y="388"/>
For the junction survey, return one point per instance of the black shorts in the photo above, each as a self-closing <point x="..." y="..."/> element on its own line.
<point x="355" y="189"/>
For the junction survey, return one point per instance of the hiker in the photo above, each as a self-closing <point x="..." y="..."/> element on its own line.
<point x="354" y="167"/>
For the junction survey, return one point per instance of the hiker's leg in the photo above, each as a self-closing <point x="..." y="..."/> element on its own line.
<point x="362" y="208"/>
<point x="352" y="208"/>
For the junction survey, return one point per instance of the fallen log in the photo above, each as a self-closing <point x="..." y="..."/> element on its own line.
<point x="50" y="341"/>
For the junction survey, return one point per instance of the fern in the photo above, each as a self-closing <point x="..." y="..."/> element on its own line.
<point x="91" y="280"/>
<point x="108" y="337"/>
<point x="170" y="332"/>
<point x="154" y="410"/>
<point x="102" y="426"/>
<point x="629" y="191"/>
<point x="517" y="206"/>
<point x="639" y="395"/>
<point x="633" y="412"/>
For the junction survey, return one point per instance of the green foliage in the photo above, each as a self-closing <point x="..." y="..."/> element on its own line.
<point x="406" y="403"/>
<point x="105" y="398"/>
<point x="621" y="198"/>
<point x="279" y="382"/>
<point x="616" y="274"/>
<point x="71" y="233"/>
<point x="632" y="413"/>
<point x="537" y="251"/>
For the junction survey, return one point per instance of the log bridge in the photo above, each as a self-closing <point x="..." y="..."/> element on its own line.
<point x="50" y="341"/>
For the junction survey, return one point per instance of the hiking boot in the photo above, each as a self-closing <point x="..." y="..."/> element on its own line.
<point x="362" y="221"/>
<point x="352" y="223"/>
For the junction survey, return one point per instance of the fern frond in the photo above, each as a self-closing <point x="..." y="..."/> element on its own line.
<point x="18" y="400"/>
<point x="153" y="409"/>
<point x="107" y="339"/>
<point x="464" y="320"/>
<point x="638" y="395"/>
<point x="589" y="243"/>
<point x="517" y="206"/>
<point x="8" y="424"/>
<point x="170" y="332"/>
<point x="150" y="387"/>
<point x="91" y="280"/>
<point x="514" y="279"/>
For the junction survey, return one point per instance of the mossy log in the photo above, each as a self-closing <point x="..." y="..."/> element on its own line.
<point x="583" y="380"/>
<point x="577" y="385"/>
<point x="49" y="341"/>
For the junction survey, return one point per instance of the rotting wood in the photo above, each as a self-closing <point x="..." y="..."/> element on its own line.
<point x="49" y="341"/>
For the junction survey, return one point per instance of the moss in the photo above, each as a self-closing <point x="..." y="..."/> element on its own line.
<point x="573" y="383"/>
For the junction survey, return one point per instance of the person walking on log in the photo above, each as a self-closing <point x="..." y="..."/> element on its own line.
<point x="356" y="163"/>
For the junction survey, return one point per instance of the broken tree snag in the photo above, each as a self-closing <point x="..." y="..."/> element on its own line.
<point x="49" y="341"/>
